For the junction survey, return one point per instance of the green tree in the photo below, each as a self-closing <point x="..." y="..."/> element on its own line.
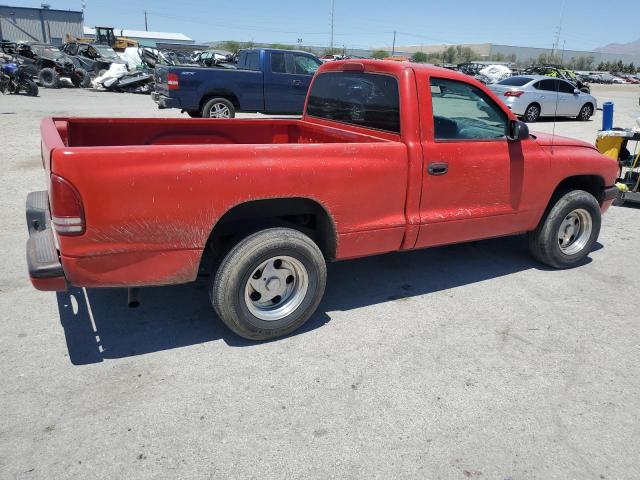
<point x="379" y="54"/>
<point x="419" y="57"/>
<point x="332" y="51"/>
<point x="467" y="54"/>
<point x="450" y="54"/>
<point x="281" y="46"/>
<point x="230" y="46"/>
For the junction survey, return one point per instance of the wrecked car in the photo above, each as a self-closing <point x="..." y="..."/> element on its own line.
<point x="47" y="63"/>
<point x="93" y="58"/>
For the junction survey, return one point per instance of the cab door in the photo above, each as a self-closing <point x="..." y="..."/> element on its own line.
<point x="286" y="81"/>
<point x="472" y="178"/>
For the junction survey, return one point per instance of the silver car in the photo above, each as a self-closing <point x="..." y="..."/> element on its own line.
<point x="535" y="96"/>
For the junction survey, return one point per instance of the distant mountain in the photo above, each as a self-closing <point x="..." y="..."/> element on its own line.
<point x="632" y="48"/>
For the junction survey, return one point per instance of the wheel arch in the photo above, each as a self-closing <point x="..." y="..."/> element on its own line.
<point x="301" y="213"/>
<point x="532" y="103"/>
<point x="222" y="93"/>
<point x="591" y="183"/>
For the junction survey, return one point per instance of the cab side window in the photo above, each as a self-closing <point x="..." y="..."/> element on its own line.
<point x="305" y="65"/>
<point x="278" y="64"/>
<point x="464" y="112"/>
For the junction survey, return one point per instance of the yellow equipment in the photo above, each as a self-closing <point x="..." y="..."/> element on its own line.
<point x="615" y="144"/>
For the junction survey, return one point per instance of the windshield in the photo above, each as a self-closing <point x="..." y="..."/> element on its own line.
<point x="47" y="51"/>
<point x="106" y="52"/>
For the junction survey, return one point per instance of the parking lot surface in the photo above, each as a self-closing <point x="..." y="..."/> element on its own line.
<point x="467" y="361"/>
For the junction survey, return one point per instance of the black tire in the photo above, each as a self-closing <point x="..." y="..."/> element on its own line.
<point x="80" y="78"/>
<point x="544" y="242"/>
<point x="218" y="103"/>
<point x="229" y="286"/>
<point x="49" y="78"/>
<point x="30" y="88"/>
<point x="532" y="113"/>
<point x="585" y="112"/>
<point x="194" y="113"/>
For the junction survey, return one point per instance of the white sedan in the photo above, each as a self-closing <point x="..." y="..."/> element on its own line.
<point x="535" y="96"/>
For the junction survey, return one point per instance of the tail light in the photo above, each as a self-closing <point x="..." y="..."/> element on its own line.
<point x="67" y="214"/>
<point x="513" y="93"/>
<point x="172" y="81"/>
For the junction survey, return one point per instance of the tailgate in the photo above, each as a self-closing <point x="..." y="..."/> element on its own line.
<point x="160" y="75"/>
<point x="54" y="135"/>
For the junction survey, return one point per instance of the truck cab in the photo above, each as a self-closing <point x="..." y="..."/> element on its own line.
<point x="264" y="80"/>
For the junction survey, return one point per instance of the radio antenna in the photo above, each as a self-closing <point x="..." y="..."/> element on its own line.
<point x="555" y="114"/>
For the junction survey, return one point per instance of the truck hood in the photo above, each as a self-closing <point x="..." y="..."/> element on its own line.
<point x="546" y="140"/>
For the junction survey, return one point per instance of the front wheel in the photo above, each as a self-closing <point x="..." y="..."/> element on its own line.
<point x="566" y="234"/>
<point x="585" y="112"/>
<point x="218" y="108"/>
<point x="81" y="78"/>
<point x="269" y="284"/>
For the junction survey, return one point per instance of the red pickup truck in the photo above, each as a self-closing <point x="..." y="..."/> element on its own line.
<point x="387" y="156"/>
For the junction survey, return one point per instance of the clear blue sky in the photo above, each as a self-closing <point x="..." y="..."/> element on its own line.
<point x="587" y="24"/>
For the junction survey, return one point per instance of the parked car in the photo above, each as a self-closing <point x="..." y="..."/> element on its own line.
<point x="93" y="58"/>
<point x="388" y="156"/>
<point x="47" y="63"/>
<point x="535" y="96"/>
<point x="266" y="80"/>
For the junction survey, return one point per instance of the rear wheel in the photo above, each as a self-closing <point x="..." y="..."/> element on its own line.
<point x="532" y="113"/>
<point x="585" y="112"/>
<point x="80" y="78"/>
<point x="269" y="284"/>
<point x="30" y="88"/>
<point x="49" y="78"/>
<point x="568" y="231"/>
<point x="218" y="108"/>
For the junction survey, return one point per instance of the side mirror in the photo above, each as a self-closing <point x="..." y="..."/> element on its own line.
<point x="517" y="130"/>
<point x="576" y="92"/>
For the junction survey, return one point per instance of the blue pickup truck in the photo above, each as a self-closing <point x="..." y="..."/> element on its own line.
<point x="264" y="80"/>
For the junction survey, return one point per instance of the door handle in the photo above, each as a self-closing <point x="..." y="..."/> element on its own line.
<point x="437" y="168"/>
<point x="296" y="83"/>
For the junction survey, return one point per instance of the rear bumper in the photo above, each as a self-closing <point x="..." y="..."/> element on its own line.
<point x="164" y="101"/>
<point x="43" y="259"/>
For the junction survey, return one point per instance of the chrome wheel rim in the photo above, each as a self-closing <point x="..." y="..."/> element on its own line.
<point x="219" y="110"/>
<point x="532" y="113"/>
<point x="276" y="288"/>
<point x="586" y="112"/>
<point x="575" y="231"/>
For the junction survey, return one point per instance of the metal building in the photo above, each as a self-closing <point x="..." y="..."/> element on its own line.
<point x="38" y="24"/>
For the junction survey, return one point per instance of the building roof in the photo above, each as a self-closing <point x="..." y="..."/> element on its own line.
<point x="143" y="34"/>
<point x="36" y="8"/>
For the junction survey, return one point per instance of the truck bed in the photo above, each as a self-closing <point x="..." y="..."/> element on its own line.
<point x="93" y="132"/>
<point x="153" y="189"/>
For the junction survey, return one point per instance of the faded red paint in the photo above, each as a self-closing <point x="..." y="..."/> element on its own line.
<point x="153" y="189"/>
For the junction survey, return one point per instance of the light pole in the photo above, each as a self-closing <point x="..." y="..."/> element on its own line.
<point x="332" y="9"/>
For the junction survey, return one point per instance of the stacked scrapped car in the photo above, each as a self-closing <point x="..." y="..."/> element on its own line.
<point x="47" y="63"/>
<point x="95" y="59"/>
